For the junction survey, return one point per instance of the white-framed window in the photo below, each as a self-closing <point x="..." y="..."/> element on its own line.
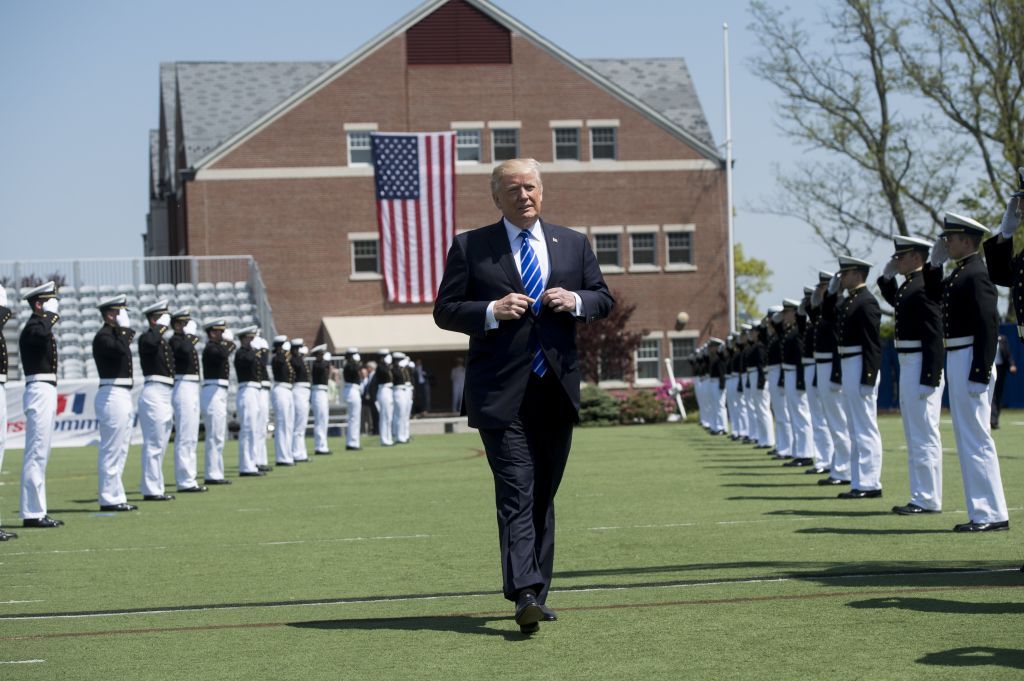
<point x="681" y="349"/>
<point x="567" y="144"/>
<point x="359" y="152"/>
<point x="467" y="146"/>
<point x="364" y="254"/>
<point x="504" y="144"/>
<point x="606" y="248"/>
<point x="648" y="360"/>
<point x="603" y="144"/>
<point x="643" y="250"/>
<point x="679" y="247"/>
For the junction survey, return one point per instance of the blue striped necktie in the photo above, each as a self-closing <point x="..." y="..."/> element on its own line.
<point x="529" y="268"/>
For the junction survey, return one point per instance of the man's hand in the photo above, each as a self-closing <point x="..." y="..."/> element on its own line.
<point x="1011" y="218"/>
<point x="889" y="271"/>
<point x="833" y="283"/>
<point x="939" y="254"/>
<point x="512" y="306"/>
<point x="559" y="300"/>
<point x="51" y="305"/>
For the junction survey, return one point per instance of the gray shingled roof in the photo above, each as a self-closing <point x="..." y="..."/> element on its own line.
<point x="664" y="85"/>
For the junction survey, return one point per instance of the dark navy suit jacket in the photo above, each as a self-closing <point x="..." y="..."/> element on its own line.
<point x="481" y="268"/>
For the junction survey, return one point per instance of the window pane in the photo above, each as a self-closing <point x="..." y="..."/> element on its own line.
<point x="680" y="248"/>
<point x="467" y="145"/>
<point x="364" y="256"/>
<point x="359" y="148"/>
<point x="643" y="249"/>
<point x="506" y="144"/>
<point x="647" y="359"/>
<point x="606" y="248"/>
<point x="681" y="349"/>
<point x="567" y="144"/>
<point x="603" y="143"/>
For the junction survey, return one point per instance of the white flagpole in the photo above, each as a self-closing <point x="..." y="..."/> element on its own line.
<point x="728" y="180"/>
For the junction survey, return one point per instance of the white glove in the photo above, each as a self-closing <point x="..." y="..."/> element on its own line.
<point x="833" y="283"/>
<point x="259" y="343"/>
<point x="51" y="305"/>
<point x="889" y="271"/>
<point x="834" y="387"/>
<point x="403" y="363"/>
<point x="122" y="319"/>
<point x="286" y="346"/>
<point x="164" y="320"/>
<point x="355" y="357"/>
<point x="3" y="295"/>
<point x="227" y="335"/>
<point x="777" y="317"/>
<point x="802" y="309"/>
<point x="303" y="350"/>
<point x="191" y="327"/>
<point x="976" y="389"/>
<point x="925" y="391"/>
<point x="1011" y="218"/>
<point x="168" y="334"/>
<point x="939" y="254"/>
<point x="816" y="298"/>
<point x="327" y="357"/>
<point x="866" y="390"/>
<point x="387" y="359"/>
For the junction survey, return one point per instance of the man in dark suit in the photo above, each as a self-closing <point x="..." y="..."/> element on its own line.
<point x="517" y="289"/>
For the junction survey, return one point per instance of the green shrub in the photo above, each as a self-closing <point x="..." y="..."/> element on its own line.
<point x="597" y="407"/>
<point x="642" y="406"/>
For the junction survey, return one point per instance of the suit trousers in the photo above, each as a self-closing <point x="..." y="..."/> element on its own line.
<point x="764" y="429"/>
<point x="185" y="400"/>
<point x="213" y="402"/>
<point x="300" y="400"/>
<point x="284" y="413"/>
<point x="799" y="417"/>
<point x="822" y="442"/>
<point x="321" y="414"/>
<point x="527" y="459"/>
<point x="40" y="404"/>
<point x="261" y="427"/>
<point x="834" y="406"/>
<point x="979" y="463"/>
<point x="921" y="426"/>
<point x="386" y="411"/>
<point x="247" y="403"/>
<point x="866" y="441"/>
<point x="156" y="417"/>
<point x="783" y="430"/>
<point x="113" y="406"/>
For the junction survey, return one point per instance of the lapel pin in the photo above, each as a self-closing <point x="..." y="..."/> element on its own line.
<point x="554" y="240"/>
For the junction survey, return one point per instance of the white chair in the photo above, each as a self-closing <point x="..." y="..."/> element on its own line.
<point x="185" y="287"/>
<point x="242" y="286"/>
<point x="224" y="286"/>
<point x="105" y="290"/>
<point x="147" y="288"/>
<point x="87" y="290"/>
<point x="165" y="289"/>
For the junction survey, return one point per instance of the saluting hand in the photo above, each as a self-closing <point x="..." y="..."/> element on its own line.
<point x="512" y="306"/>
<point x="559" y="300"/>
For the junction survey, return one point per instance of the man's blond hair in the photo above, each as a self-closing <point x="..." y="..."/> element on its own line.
<point x="514" y="166"/>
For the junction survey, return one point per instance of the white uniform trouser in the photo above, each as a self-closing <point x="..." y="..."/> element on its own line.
<point x="385" y="411"/>
<point x="746" y="424"/>
<point x="156" y="416"/>
<point x="761" y="413"/>
<point x="321" y="412"/>
<point x="822" y="441"/>
<point x="862" y="414"/>
<point x="783" y="431"/>
<point x="214" y="404"/>
<point x="732" y="404"/>
<point x="185" y="400"/>
<point x="248" y="404"/>
<point x="698" y="393"/>
<point x="719" y="410"/>
<point x="354" y="407"/>
<point x="261" y="427"/>
<point x="40" y="404"/>
<point x="283" y="415"/>
<point x="403" y="412"/>
<point x="3" y="424"/>
<point x="799" y="416"/>
<point x="979" y="463"/>
<point x="921" y="427"/>
<point x="300" y="417"/>
<point x="834" y="404"/>
<point x="113" y="406"/>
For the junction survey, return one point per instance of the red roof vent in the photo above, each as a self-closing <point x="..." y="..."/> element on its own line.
<point x="458" y="33"/>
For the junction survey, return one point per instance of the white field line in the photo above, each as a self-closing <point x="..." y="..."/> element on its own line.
<point x="21" y="661"/>
<point x="341" y="539"/>
<point x="15" y="602"/>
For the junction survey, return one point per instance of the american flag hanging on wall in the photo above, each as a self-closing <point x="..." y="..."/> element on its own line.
<point x="414" y="175"/>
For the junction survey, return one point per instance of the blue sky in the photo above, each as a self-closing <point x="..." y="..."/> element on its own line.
<point x="80" y="93"/>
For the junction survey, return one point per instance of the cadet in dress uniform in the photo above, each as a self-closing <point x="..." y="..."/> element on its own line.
<point x="259" y="343"/>
<point x="732" y="383"/>
<point x="802" y="453"/>
<point x="744" y="343"/>
<point x="758" y="379"/>
<point x="300" y="400"/>
<point x="156" y="415"/>
<point x="281" y="396"/>
<point x="213" y="400"/>
<point x="716" y="376"/>
<point x="384" y="396"/>
<point x="402" y="378"/>
<point x="858" y="321"/>
<point x="247" y="401"/>
<point x="821" y="442"/>
<point x="185" y="400"/>
<point x="699" y="387"/>
<point x="970" y="325"/>
<point x="5" y="315"/>
<point x="320" y="374"/>
<point x="776" y="388"/>
<point x="352" y="394"/>
<point x="828" y="372"/>
<point x="919" y="349"/>
<point x="112" y="352"/>
<point x="39" y="365"/>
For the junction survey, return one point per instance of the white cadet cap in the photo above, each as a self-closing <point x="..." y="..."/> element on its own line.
<point x="280" y="339"/>
<point x="220" y="323"/>
<point x="183" y="313"/>
<point x="297" y="342"/>
<point x="351" y="351"/>
<point x="114" y="302"/>
<point x="824" y="275"/>
<point x="248" y="331"/>
<point x="808" y="290"/>
<point x="318" y="348"/>
<point x="158" y="306"/>
<point x="774" y="309"/>
<point x="47" y="290"/>
<point x="790" y="303"/>
<point x="905" y="244"/>
<point x="848" y="262"/>
<point x="959" y="224"/>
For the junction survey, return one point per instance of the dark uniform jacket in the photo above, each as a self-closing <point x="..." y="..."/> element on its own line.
<point x="155" y="355"/>
<point x="5" y="315"/>
<point x="217" y="360"/>
<point x="261" y="366"/>
<point x="300" y="368"/>
<point x="756" y="360"/>
<point x="793" y="352"/>
<point x="186" y="357"/>
<point x="1006" y="269"/>
<point x="968" y="298"/>
<point x="918" y="318"/>
<point x="112" y="352"/>
<point x="858" y="321"/>
<point x="247" y="365"/>
<point x="717" y="368"/>
<point x="825" y="337"/>
<point x="38" y="347"/>
<point x="282" y="367"/>
<point x="321" y="372"/>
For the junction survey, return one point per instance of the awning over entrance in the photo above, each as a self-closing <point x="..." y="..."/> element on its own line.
<point x="405" y="332"/>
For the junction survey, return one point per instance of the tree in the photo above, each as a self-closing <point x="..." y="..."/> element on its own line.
<point x="752" y="275"/>
<point x="606" y="346"/>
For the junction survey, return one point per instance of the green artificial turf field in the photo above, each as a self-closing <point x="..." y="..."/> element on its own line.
<point x="680" y="556"/>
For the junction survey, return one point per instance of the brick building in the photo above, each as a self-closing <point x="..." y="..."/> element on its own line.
<point x="273" y="160"/>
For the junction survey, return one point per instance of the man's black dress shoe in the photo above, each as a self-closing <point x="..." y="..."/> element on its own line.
<point x="306" y="460"/>
<point x="528" y="611"/>
<point x="118" y="507"/>
<point x="327" y="453"/>
<point x="796" y="463"/>
<point x="212" y="481"/>
<point x="264" y="468"/>
<point x="4" y="536"/>
<point x="982" y="527"/>
<point x="781" y="457"/>
<point x="911" y="509"/>
<point x="817" y="470"/>
<point x="158" y="497"/>
<point x="833" y="481"/>
<point x="251" y="474"/>
<point x="549" y="614"/>
<point x="284" y="463"/>
<point x="352" y="449"/>
<point x="45" y="521"/>
<point x="191" y="490"/>
<point x="861" y="494"/>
